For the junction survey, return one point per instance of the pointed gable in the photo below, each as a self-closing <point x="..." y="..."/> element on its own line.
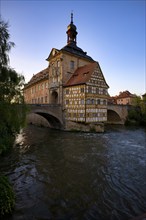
<point x="84" y="74"/>
<point x="97" y="75"/>
<point x="53" y="53"/>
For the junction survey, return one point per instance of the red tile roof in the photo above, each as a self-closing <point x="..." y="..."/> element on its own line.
<point x="81" y="75"/>
<point x="44" y="74"/>
<point x="125" y="94"/>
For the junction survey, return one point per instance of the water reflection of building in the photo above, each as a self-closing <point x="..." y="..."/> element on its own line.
<point x="72" y="79"/>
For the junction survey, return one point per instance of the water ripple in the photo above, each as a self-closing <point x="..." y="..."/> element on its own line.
<point x="62" y="175"/>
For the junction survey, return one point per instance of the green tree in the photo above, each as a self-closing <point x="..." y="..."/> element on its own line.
<point x="12" y="115"/>
<point x="143" y="110"/>
<point x="137" y="112"/>
<point x="5" y="44"/>
<point x="136" y="101"/>
<point x="12" y="112"/>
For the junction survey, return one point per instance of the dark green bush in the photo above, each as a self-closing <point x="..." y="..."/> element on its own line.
<point x="7" y="198"/>
<point x="12" y="108"/>
<point x="137" y="112"/>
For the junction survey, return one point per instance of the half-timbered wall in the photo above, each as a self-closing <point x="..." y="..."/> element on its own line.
<point x="96" y="98"/>
<point x="75" y="103"/>
<point x="88" y="102"/>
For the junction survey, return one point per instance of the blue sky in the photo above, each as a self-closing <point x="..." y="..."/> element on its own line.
<point x="112" y="32"/>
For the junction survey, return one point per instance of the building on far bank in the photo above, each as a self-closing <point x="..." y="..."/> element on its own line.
<point x="73" y="80"/>
<point x="112" y="100"/>
<point x="124" y="98"/>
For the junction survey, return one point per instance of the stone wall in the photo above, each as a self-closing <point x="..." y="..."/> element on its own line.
<point x="38" y="120"/>
<point x="75" y="126"/>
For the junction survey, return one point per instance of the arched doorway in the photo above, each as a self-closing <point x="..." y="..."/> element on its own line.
<point x="54" y="97"/>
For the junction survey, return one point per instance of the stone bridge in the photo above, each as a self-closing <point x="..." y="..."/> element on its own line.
<point x="116" y="114"/>
<point x="51" y="112"/>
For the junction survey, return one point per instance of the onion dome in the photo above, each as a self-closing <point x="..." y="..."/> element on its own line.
<point x="71" y="32"/>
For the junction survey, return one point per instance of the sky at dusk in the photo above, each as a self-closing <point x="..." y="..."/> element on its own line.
<point x="112" y="32"/>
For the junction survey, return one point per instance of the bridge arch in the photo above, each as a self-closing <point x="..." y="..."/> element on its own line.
<point x="117" y="114"/>
<point x="113" y="117"/>
<point x="52" y="113"/>
<point x="53" y="121"/>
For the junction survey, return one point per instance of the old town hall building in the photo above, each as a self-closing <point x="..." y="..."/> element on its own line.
<point x="73" y="80"/>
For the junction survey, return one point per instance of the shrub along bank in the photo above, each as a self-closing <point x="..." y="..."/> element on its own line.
<point x="137" y="112"/>
<point x="7" y="198"/>
<point x="12" y="112"/>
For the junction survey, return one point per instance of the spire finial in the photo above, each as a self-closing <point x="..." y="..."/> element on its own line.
<point x="72" y="17"/>
<point x="71" y="32"/>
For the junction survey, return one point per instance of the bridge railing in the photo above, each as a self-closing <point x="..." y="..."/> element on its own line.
<point x="45" y="105"/>
<point x="120" y="105"/>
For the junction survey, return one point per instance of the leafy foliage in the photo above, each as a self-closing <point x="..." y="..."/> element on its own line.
<point x="5" y="45"/>
<point x="12" y="108"/>
<point x="11" y="86"/>
<point x="12" y="112"/>
<point x="11" y="121"/>
<point x="7" y="198"/>
<point x="137" y="113"/>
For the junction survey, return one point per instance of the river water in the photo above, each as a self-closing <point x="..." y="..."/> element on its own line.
<point x="75" y="176"/>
